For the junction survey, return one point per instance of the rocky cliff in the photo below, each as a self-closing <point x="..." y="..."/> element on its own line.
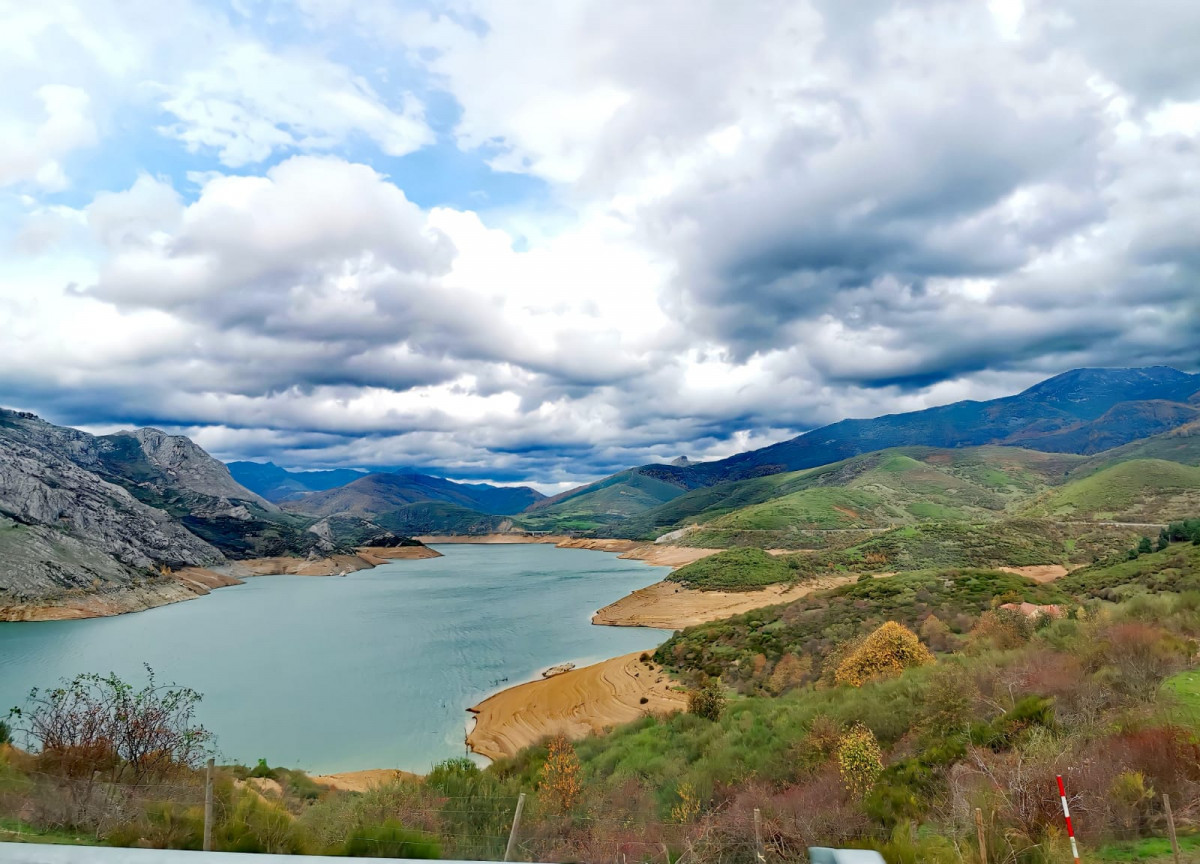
<point x="102" y="524"/>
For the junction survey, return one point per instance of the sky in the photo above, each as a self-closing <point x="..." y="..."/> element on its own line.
<point x="541" y="241"/>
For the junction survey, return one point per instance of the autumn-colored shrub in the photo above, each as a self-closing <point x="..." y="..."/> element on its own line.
<point x="789" y="671"/>
<point x="937" y="635"/>
<point x="688" y="807"/>
<point x="859" y="759"/>
<point x="884" y="654"/>
<point x="561" y="783"/>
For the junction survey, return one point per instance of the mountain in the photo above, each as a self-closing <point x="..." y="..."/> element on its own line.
<point x="377" y="494"/>
<point x="279" y="484"/>
<point x="99" y="521"/>
<point x="1081" y="412"/>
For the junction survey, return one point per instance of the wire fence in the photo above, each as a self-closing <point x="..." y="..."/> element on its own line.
<point x="405" y="820"/>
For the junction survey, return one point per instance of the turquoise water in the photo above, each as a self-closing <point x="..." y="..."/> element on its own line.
<point x="373" y="670"/>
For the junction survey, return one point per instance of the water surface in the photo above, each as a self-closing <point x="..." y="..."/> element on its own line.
<point x="371" y="670"/>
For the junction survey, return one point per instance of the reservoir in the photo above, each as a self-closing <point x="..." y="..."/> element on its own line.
<point x="371" y="670"/>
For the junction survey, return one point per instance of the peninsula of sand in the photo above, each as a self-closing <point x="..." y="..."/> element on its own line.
<point x="616" y="691"/>
<point x="574" y="704"/>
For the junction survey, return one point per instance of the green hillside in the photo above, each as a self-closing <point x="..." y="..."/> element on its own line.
<point x="1139" y="490"/>
<point x="891" y="487"/>
<point x="439" y="517"/>
<point x="1010" y="543"/>
<point x="736" y="570"/>
<point x="813" y="625"/>
<point x="605" y="502"/>
<point x="1174" y="569"/>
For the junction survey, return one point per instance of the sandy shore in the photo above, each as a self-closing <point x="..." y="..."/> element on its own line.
<point x="361" y="781"/>
<point x="652" y="553"/>
<point x="191" y="582"/>
<point x="670" y="606"/>
<point x="1039" y="572"/>
<point x="574" y="704"/>
<point x="366" y="558"/>
<point x="553" y="539"/>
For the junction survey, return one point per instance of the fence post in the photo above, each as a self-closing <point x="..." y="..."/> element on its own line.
<point x="208" y="795"/>
<point x="512" y="835"/>
<point x="979" y="834"/>
<point x="758" y="841"/>
<point x="1062" y="793"/>
<point x="1171" y="827"/>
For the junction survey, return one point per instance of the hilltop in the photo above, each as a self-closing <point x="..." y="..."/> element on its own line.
<point x="1081" y="412"/>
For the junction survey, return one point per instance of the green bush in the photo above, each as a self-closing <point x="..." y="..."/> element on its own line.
<point x="391" y="840"/>
<point x="707" y="702"/>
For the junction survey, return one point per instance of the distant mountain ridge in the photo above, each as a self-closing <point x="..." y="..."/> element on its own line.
<point x="376" y="494"/>
<point x="1083" y="411"/>
<point x="280" y="484"/>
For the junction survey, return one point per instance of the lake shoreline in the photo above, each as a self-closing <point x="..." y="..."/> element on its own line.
<point x="574" y="703"/>
<point x="189" y="583"/>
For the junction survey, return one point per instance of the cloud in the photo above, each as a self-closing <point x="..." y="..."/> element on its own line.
<point x="249" y="103"/>
<point x="35" y="149"/>
<point x="760" y="218"/>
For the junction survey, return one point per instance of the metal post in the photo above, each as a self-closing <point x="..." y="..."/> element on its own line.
<point x="208" y="795"/>
<point x="758" y="841"/>
<point x="1171" y="826"/>
<point x="512" y="835"/>
<point x="979" y="834"/>
<point x="1062" y="793"/>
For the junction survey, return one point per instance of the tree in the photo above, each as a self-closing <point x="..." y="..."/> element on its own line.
<point x="707" y="702"/>
<point x="560" y="781"/>
<point x="859" y="759"/>
<point x="1144" y="546"/>
<point x="5" y="733"/>
<point x="886" y="653"/>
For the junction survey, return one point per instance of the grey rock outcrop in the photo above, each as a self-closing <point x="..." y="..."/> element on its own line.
<point x="191" y="468"/>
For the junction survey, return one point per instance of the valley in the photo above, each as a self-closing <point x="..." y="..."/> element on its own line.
<point x="958" y="588"/>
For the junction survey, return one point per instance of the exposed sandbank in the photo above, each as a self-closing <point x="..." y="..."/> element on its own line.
<point x="361" y="781"/>
<point x="451" y="539"/>
<point x="574" y="704"/>
<point x="670" y="606"/>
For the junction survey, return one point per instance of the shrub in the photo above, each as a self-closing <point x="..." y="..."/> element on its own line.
<point x="5" y="733"/>
<point x="1002" y="629"/>
<point x="391" y="840"/>
<point x="561" y="784"/>
<point x="788" y="672"/>
<point x="859" y="760"/>
<point x="884" y="654"/>
<point x="688" y="807"/>
<point x="707" y="702"/>
<point x="95" y="723"/>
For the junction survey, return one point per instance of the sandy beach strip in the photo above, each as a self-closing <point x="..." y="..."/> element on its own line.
<point x="361" y="781"/>
<point x="659" y="554"/>
<point x="485" y="539"/>
<point x="670" y="606"/>
<point x="1039" y="572"/>
<point x="574" y="704"/>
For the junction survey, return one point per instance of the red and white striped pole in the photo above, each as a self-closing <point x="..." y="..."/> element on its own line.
<point x="1062" y="793"/>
